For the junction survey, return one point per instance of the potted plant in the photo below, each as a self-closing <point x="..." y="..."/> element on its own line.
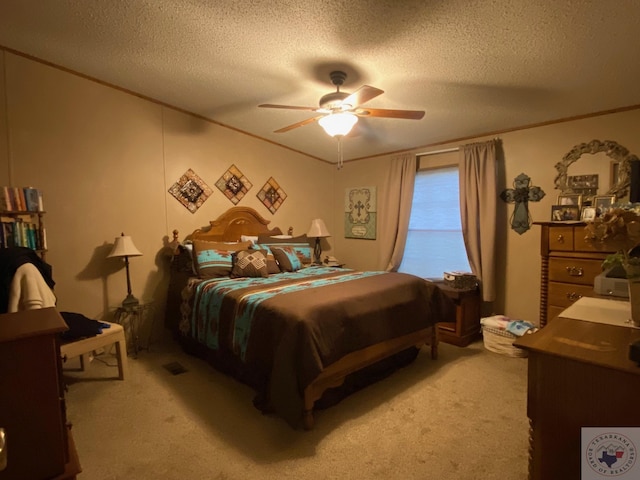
<point x="619" y="229"/>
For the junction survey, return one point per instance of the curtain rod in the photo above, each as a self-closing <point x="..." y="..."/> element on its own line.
<point x="445" y="150"/>
<point x="435" y="152"/>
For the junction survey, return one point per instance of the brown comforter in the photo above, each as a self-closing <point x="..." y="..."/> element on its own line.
<point x="295" y="334"/>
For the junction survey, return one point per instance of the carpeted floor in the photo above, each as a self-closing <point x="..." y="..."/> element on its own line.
<point x="460" y="417"/>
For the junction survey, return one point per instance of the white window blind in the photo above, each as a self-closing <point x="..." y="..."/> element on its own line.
<point x="434" y="241"/>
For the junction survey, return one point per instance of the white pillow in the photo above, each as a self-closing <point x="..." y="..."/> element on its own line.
<point x="281" y="236"/>
<point x="249" y="238"/>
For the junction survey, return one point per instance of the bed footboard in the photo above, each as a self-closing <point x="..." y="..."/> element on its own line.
<point x="334" y="375"/>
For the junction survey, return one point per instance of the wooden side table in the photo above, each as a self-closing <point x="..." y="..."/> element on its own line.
<point x="465" y="327"/>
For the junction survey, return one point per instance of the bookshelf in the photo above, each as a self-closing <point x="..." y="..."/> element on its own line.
<point x="22" y="219"/>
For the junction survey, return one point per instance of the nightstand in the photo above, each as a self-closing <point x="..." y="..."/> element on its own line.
<point x="465" y="327"/>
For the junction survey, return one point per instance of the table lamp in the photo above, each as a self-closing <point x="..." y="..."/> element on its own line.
<point x="123" y="247"/>
<point x="318" y="230"/>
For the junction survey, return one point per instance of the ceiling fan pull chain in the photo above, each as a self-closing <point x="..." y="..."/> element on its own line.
<point x="339" y="151"/>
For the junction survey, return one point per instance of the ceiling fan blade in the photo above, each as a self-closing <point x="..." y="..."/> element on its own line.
<point x="298" y="124"/>
<point x="382" y="112"/>
<point x="288" y="107"/>
<point x="362" y="95"/>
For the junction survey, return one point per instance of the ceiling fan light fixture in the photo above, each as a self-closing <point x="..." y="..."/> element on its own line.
<point x="338" y="123"/>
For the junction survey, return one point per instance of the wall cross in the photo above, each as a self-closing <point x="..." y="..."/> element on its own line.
<point x="521" y="194"/>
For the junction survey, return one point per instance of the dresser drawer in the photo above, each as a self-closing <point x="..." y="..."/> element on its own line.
<point x="581" y="245"/>
<point x="574" y="270"/>
<point x="565" y="294"/>
<point x="561" y="239"/>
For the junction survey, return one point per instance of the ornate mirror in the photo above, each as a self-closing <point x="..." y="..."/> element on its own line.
<point x="606" y="171"/>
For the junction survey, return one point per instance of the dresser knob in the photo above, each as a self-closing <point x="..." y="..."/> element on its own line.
<point x="573" y="296"/>
<point x="575" y="271"/>
<point x="560" y="238"/>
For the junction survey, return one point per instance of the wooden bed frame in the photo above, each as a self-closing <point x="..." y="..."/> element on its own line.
<point x="239" y="221"/>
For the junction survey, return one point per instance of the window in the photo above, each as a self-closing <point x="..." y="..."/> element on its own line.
<point x="434" y="241"/>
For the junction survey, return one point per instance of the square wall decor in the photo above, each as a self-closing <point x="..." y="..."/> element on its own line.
<point x="233" y="184"/>
<point x="191" y="191"/>
<point x="271" y="195"/>
<point x="360" y="213"/>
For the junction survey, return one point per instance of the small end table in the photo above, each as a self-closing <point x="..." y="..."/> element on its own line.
<point x="465" y="328"/>
<point x="132" y="316"/>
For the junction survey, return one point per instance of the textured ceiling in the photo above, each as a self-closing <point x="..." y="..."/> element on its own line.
<point x="474" y="66"/>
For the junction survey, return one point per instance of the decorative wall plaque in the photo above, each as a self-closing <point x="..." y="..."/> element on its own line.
<point x="360" y="213"/>
<point x="271" y="195"/>
<point x="191" y="191"/>
<point x="233" y="184"/>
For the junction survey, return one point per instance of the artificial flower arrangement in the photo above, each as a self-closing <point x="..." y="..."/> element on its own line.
<point x="618" y="229"/>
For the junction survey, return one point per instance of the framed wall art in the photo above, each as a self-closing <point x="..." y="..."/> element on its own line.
<point x="360" y="213"/>
<point x="191" y="191"/>
<point x="233" y="184"/>
<point x="585" y="185"/>
<point x="272" y="195"/>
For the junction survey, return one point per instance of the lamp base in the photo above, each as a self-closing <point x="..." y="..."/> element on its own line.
<point x="317" y="252"/>
<point x="130" y="301"/>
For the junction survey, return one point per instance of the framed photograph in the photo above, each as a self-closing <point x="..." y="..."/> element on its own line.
<point x="570" y="199"/>
<point x="603" y="203"/>
<point x="583" y="181"/>
<point x="588" y="213"/>
<point x="565" y="213"/>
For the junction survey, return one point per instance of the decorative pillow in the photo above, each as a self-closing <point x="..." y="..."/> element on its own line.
<point x="213" y="259"/>
<point x="300" y="244"/>
<point x="287" y="258"/>
<point x="249" y="263"/>
<point x="272" y="265"/>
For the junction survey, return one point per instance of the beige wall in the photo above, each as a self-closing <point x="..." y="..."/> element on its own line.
<point x="105" y="160"/>
<point x="4" y="133"/>
<point x="533" y="151"/>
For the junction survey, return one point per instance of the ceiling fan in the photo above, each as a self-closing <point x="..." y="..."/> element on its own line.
<point x="340" y="110"/>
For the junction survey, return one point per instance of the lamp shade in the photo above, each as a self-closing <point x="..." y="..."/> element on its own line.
<point x="318" y="229"/>
<point x="123" y="247"/>
<point x="338" y="123"/>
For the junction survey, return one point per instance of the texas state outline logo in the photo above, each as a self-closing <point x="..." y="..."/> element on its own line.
<point x="609" y="454"/>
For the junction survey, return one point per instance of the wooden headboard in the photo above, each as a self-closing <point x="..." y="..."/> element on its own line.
<point x="233" y="223"/>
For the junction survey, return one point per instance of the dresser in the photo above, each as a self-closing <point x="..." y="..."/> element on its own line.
<point x="568" y="268"/>
<point x="39" y="444"/>
<point x="579" y="375"/>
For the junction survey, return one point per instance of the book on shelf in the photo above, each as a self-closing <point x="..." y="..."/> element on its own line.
<point x="21" y="199"/>
<point x="32" y="198"/>
<point x="20" y="231"/>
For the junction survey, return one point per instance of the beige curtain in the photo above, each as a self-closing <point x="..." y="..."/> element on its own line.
<point x="478" y="203"/>
<point x="394" y="211"/>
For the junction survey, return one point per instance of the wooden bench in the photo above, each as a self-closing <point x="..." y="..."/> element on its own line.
<point x="109" y="336"/>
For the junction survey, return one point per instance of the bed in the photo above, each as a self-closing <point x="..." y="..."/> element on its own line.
<point x="296" y="335"/>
